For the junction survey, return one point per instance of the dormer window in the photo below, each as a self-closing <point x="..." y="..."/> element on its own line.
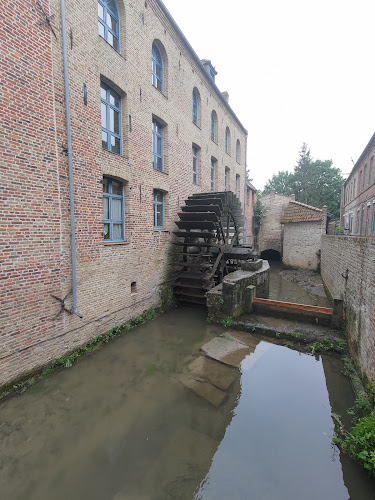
<point x="209" y="68"/>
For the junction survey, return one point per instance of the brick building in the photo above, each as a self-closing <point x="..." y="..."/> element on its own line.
<point x="270" y="239"/>
<point x="304" y="226"/>
<point x="149" y="126"/>
<point x="358" y="195"/>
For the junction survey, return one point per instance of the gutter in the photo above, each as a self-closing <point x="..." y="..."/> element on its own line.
<point x="70" y="160"/>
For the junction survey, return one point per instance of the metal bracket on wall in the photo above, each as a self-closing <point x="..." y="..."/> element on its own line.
<point x="47" y="19"/>
<point x="62" y="304"/>
<point x="346" y="275"/>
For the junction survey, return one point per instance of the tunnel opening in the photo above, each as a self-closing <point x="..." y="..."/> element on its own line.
<point x="271" y="255"/>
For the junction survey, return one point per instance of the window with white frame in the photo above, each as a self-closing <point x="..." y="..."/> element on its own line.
<point x="111" y="118"/>
<point x="113" y="210"/>
<point x="237" y="186"/>
<point x="195" y="164"/>
<point x="227" y="140"/>
<point x="214" y="126"/>
<point x="213" y="173"/>
<point x="227" y="179"/>
<point x="238" y="151"/>
<point x="108" y="22"/>
<point x="158" y="209"/>
<point x="158" y="145"/>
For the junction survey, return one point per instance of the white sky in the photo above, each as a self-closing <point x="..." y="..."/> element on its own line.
<point x="296" y="71"/>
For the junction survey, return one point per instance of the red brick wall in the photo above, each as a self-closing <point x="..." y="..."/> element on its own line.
<point x="35" y="216"/>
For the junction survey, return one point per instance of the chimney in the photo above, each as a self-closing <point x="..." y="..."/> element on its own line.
<point x="209" y="68"/>
<point x="225" y="95"/>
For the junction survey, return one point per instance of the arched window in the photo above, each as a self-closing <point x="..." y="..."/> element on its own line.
<point x="195" y="107"/>
<point x="238" y="151"/>
<point x="157" y="68"/>
<point x="214" y="126"/>
<point x="227" y="140"/>
<point x="108" y="22"/>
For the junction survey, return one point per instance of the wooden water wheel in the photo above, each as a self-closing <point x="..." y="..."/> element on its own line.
<point x="209" y="236"/>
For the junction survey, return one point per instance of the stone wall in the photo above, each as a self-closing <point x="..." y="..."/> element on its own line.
<point x="302" y="244"/>
<point x="117" y="280"/>
<point x="348" y="270"/>
<point x="271" y="231"/>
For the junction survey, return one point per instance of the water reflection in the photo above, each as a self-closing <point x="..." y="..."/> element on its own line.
<point x="120" y="425"/>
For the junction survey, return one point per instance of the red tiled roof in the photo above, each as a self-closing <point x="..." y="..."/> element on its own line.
<point x="299" y="212"/>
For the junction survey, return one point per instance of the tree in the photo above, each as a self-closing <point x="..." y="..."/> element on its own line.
<point x="313" y="182"/>
<point x="281" y="183"/>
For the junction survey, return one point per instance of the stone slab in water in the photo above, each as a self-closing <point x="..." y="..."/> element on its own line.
<point x="203" y="389"/>
<point x="244" y="337"/>
<point x="227" y="350"/>
<point x="220" y="375"/>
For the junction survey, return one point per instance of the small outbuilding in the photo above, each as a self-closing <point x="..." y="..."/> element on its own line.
<point x="304" y="226"/>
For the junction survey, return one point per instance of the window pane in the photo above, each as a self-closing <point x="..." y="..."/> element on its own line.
<point x="158" y="146"/>
<point x="103" y="92"/>
<point x="100" y="11"/>
<point x="114" y="98"/>
<point x="105" y="185"/>
<point x="116" y="187"/>
<point x="159" y="165"/>
<point x="100" y="29"/>
<point x="114" y="123"/>
<point x="104" y="140"/>
<point x="104" y="115"/>
<point x="159" y="85"/>
<point x="115" y="145"/>
<point x="105" y="208"/>
<point x="111" y="23"/>
<point x="159" y="216"/>
<point x="117" y="232"/>
<point x="106" y="231"/>
<point x="116" y="209"/>
<point x="159" y="196"/>
<point x="110" y="38"/>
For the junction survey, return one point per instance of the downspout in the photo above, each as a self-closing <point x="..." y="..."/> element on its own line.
<point x="70" y="159"/>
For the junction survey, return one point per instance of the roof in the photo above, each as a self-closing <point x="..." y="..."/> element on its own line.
<point x="299" y="212"/>
<point x="199" y="63"/>
<point x="361" y="158"/>
<point x="250" y="186"/>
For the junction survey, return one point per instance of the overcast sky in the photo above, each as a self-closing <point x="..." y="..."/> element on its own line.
<point x="296" y="71"/>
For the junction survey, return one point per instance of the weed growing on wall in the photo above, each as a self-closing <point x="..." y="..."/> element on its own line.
<point x="68" y="360"/>
<point x="359" y="442"/>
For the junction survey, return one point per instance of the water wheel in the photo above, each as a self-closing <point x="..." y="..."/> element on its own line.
<point x="209" y="236"/>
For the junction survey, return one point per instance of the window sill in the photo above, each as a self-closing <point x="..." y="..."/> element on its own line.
<point x="196" y="124"/>
<point x="111" y="243"/>
<point x="160" y="171"/>
<point x="160" y="92"/>
<point x="161" y="230"/>
<point x="112" y="47"/>
<point x="112" y="152"/>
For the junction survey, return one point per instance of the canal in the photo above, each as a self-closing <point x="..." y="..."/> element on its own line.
<point x="120" y="425"/>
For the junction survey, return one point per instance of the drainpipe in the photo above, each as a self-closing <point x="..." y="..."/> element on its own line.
<point x="70" y="159"/>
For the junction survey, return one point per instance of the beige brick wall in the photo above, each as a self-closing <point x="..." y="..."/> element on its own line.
<point x="302" y="244"/>
<point x="353" y="257"/>
<point x="39" y="216"/>
<point x="271" y="231"/>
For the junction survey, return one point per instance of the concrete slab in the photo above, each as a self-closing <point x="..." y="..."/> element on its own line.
<point x="226" y="350"/>
<point x="203" y="389"/>
<point x="244" y="337"/>
<point x="221" y="376"/>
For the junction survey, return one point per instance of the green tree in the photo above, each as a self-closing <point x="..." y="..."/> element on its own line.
<point x="314" y="182"/>
<point x="280" y="183"/>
